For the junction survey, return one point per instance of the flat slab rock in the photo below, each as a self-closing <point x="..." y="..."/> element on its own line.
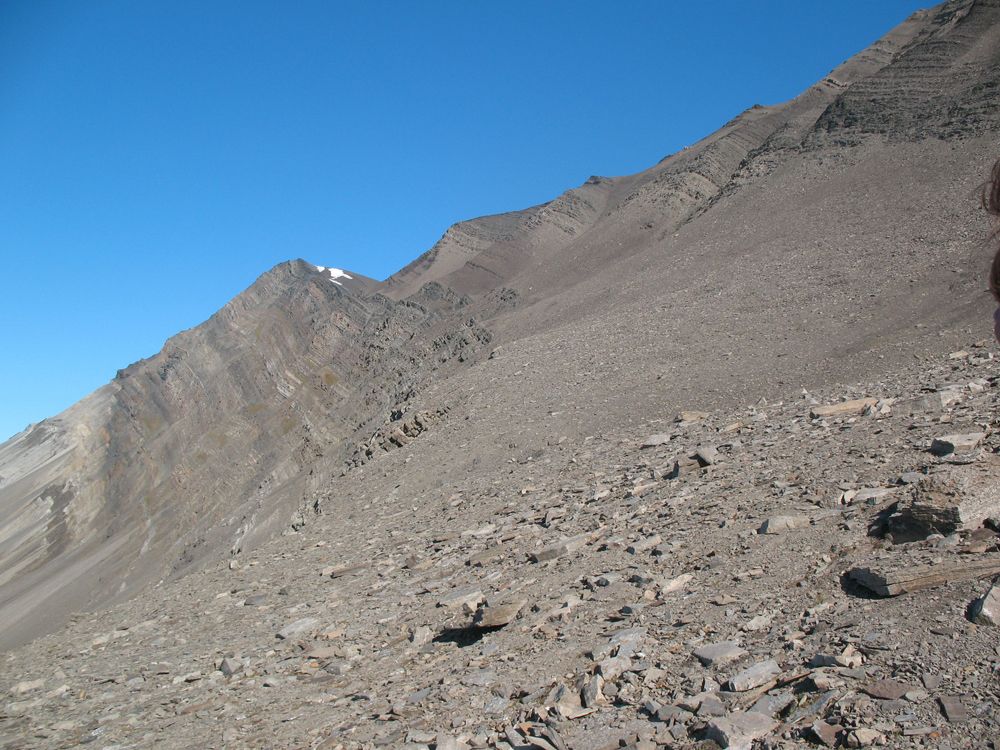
<point x="754" y="676"/>
<point x="781" y="524"/>
<point x="738" y="731"/>
<point x="654" y="440"/>
<point x="887" y="690"/>
<point x="495" y="616"/>
<point x="716" y="654"/>
<point x="560" y="548"/>
<point x="953" y="709"/>
<point x="957" y="443"/>
<point x="304" y="625"/>
<point x="843" y="409"/>
<point x="899" y="575"/>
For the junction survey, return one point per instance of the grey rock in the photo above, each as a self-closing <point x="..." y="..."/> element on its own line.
<point x="298" y="627"/>
<point x="27" y="686"/>
<point x="592" y="694"/>
<point x="738" y="731"/>
<point x="421" y="635"/>
<point x="850" y="408"/>
<point x="560" y="548"/>
<point x="469" y="596"/>
<point x="480" y="678"/>
<point x="826" y="734"/>
<point x="712" y="705"/>
<point x="655" y="440"/>
<point x="497" y="616"/>
<point x="772" y="704"/>
<point x="230" y="666"/>
<point x="953" y="709"/>
<point x="706" y="455"/>
<point x="887" y="690"/>
<point x="754" y="676"/>
<point x="957" y="443"/>
<point x="864" y="737"/>
<point x="781" y="524"/>
<point x="717" y="654"/>
<point x="986" y="609"/>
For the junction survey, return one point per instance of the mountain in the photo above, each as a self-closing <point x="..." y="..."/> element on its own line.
<point x="210" y="446"/>
<point x="825" y="240"/>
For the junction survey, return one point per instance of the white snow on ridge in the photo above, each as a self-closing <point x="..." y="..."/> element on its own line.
<point x="335" y="273"/>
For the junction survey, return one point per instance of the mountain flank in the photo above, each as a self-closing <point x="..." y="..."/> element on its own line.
<point x="369" y="469"/>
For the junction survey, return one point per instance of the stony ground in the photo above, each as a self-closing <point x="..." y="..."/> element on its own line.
<point x="676" y="585"/>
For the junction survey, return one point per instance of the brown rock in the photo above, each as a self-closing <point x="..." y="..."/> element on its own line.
<point x="490" y="616"/>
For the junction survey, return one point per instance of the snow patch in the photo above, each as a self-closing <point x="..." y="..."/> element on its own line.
<point x="335" y="273"/>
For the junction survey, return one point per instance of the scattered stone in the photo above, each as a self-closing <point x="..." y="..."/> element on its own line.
<point x="706" y="455"/>
<point x="685" y="418"/>
<point x="755" y="676"/>
<point x="986" y="609"/>
<point x="654" y="440"/>
<point x="27" y="686"/>
<point x="957" y="443"/>
<point x="864" y="737"/>
<point x="469" y="596"/>
<point x="781" y="524"/>
<point x="338" y="571"/>
<point x="229" y="666"/>
<point x="953" y="709"/>
<point x="644" y="545"/>
<point x="886" y="690"/>
<point x="851" y="408"/>
<point x="560" y="548"/>
<point x="298" y="627"/>
<point x="738" y="731"/>
<point x="826" y="734"/>
<point x="717" y="654"/>
<point x="497" y="616"/>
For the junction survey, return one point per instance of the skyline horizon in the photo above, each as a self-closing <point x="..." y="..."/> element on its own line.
<point x="145" y="213"/>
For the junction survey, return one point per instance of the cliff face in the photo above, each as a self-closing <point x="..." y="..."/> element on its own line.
<point x="798" y="244"/>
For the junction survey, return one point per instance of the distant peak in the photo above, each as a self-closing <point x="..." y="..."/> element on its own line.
<point x="335" y="273"/>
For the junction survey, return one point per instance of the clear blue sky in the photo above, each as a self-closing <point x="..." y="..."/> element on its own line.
<point x="158" y="156"/>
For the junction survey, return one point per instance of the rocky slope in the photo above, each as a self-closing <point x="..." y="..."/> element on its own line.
<point x="214" y="444"/>
<point x="682" y="581"/>
<point x="480" y="402"/>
